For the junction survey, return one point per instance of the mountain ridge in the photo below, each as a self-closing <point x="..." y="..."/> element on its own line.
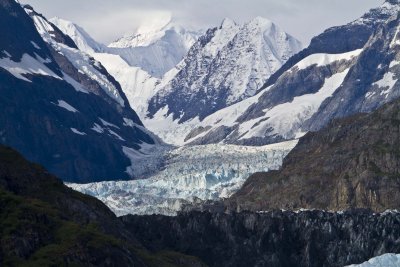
<point x="61" y="107"/>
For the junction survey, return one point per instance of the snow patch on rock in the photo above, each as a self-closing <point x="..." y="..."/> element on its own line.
<point x="27" y="65"/>
<point x="65" y="105"/>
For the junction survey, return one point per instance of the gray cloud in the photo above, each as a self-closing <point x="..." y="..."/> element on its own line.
<point x="106" y="20"/>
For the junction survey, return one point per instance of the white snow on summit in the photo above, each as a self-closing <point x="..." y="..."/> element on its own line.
<point x="138" y="61"/>
<point x="80" y="37"/>
<point x="157" y="51"/>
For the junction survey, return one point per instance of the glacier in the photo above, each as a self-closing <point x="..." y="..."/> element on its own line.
<point x="189" y="174"/>
<point x="386" y="260"/>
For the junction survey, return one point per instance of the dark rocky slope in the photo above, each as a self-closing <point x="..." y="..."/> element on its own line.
<point x="353" y="163"/>
<point x="274" y="239"/>
<point x="80" y="145"/>
<point x="44" y="223"/>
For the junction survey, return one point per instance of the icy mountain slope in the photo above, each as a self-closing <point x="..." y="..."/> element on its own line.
<point x="138" y="85"/>
<point x="80" y="37"/>
<point x="224" y="66"/>
<point x="203" y="172"/>
<point x="386" y="260"/>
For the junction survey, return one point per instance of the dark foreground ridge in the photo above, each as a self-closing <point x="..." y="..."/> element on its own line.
<point x="44" y="223"/>
<point x="273" y="239"/>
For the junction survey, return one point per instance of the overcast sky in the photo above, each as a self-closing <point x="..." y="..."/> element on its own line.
<point x="106" y="20"/>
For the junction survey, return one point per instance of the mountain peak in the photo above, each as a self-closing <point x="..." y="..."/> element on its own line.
<point x="260" y="19"/>
<point x="80" y="37"/>
<point x="155" y="25"/>
<point x="390" y="4"/>
<point x="393" y="2"/>
<point x="260" y="22"/>
<point x="228" y="23"/>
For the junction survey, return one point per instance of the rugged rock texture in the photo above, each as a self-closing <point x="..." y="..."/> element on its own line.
<point x="44" y="223"/>
<point x="353" y="163"/>
<point x="274" y="239"/>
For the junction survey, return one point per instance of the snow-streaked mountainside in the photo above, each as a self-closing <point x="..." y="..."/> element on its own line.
<point x="226" y="65"/>
<point x="386" y="260"/>
<point x="313" y="89"/>
<point x="80" y="60"/>
<point x="61" y="108"/>
<point x="197" y="172"/>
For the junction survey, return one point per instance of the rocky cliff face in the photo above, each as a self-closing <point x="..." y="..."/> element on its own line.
<point x="353" y="162"/>
<point x="274" y="239"/>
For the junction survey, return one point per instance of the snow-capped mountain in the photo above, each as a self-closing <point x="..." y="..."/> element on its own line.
<point x="61" y="108"/>
<point x="226" y="65"/>
<point x="138" y="61"/>
<point x="329" y="80"/>
<point x="190" y="173"/>
<point x="386" y="260"/>
<point x="157" y="49"/>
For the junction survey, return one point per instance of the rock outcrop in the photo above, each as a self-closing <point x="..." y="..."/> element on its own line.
<point x="352" y="163"/>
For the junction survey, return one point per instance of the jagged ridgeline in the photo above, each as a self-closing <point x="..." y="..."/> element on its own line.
<point x="60" y="107"/>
